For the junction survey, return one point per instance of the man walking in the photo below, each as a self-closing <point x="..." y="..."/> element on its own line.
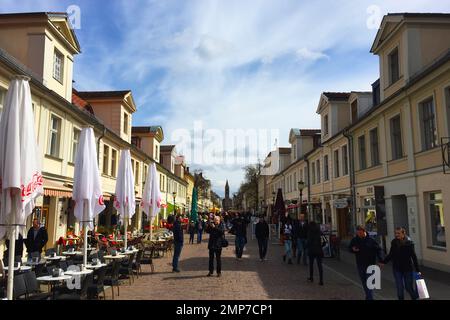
<point x="366" y="251"/>
<point x="199" y="229"/>
<point x="240" y="230"/>
<point x="262" y="235"/>
<point x="37" y="238"/>
<point x="178" y="240"/>
<point x="300" y="235"/>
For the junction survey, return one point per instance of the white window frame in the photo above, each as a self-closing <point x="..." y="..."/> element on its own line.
<point x="58" y="136"/>
<point x="75" y="142"/>
<point x="58" y="65"/>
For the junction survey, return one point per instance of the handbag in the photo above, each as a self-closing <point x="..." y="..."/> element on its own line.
<point x="224" y="243"/>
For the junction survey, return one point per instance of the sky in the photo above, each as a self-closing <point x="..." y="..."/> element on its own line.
<point x="225" y="79"/>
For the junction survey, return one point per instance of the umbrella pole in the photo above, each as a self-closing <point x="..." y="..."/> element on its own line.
<point x="85" y="235"/>
<point x="12" y="249"/>
<point x="151" y="228"/>
<point x="125" y="222"/>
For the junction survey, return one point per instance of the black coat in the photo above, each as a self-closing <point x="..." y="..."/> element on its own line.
<point x="369" y="251"/>
<point x="18" y="248"/>
<point x="314" y="242"/>
<point x="216" y="235"/>
<point x="299" y="231"/>
<point x="36" y="244"/>
<point x="240" y="227"/>
<point x="262" y="230"/>
<point x="178" y="232"/>
<point x="403" y="256"/>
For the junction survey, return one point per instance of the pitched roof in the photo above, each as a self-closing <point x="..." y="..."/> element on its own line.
<point x="147" y="129"/>
<point x="337" y="96"/>
<point x="309" y="132"/>
<point x="81" y="103"/>
<point x="166" y="147"/>
<point x="103" y="94"/>
<point x="284" y="150"/>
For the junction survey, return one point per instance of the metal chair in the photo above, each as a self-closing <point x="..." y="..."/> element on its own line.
<point x="20" y="288"/>
<point x="32" y="286"/>
<point x="98" y="287"/>
<point x="112" y="278"/>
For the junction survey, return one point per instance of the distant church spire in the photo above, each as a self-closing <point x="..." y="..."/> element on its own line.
<point x="227" y="190"/>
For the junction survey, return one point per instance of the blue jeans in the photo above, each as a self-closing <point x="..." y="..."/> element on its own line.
<point x="176" y="254"/>
<point x="301" y="249"/>
<point x="362" y="270"/>
<point x="288" y="248"/>
<point x="262" y="245"/>
<point x="239" y="243"/>
<point x="199" y="236"/>
<point x="405" y="280"/>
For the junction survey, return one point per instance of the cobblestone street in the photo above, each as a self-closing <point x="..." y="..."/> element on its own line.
<point x="246" y="279"/>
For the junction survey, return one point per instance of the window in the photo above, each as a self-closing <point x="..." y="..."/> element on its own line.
<point x="362" y="152"/>
<point x="161" y="182"/>
<point x="325" y="168"/>
<point x="344" y="160"/>
<point x="318" y="170"/>
<point x="374" y="150"/>
<point x="75" y="141"/>
<point x="396" y="138"/>
<point x="156" y="153"/>
<point x="295" y="181"/>
<point x="354" y="107"/>
<point x="394" y="73"/>
<point x="58" y="65"/>
<point x="136" y="174"/>
<point x="144" y="178"/>
<point x="428" y="124"/>
<point x="55" y="136"/>
<point x="336" y="163"/>
<point x="2" y="101"/>
<point x="447" y="108"/>
<point x="105" y="159"/>
<point x="436" y="212"/>
<point x="325" y="124"/>
<point x="313" y="172"/>
<point x="113" y="162"/>
<point x="125" y="123"/>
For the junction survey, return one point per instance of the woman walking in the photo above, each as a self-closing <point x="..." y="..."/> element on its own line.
<point x="216" y="235"/>
<point x="192" y="231"/>
<point x="315" y="251"/>
<point x="288" y="241"/>
<point x="404" y="260"/>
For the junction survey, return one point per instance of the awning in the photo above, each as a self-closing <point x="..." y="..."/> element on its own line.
<point x="56" y="189"/>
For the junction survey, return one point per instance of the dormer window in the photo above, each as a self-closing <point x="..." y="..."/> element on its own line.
<point x="125" y="123"/>
<point x="58" y="65"/>
<point x="394" y="72"/>
<point x="354" y="107"/>
<point x="325" y="125"/>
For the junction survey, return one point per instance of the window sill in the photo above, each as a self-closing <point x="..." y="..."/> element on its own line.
<point x="70" y="163"/>
<point x="53" y="157"/>
<point x="437" y="248"/>
<point x="426" y="151"/>
<point x="392" y="161"/>
<point x="393" y="83"/>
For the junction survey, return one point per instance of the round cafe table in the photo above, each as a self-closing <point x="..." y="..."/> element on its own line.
<point x="22" y="268"/>
<point x="73" y="253"/>
<point x="55" y="258"/>
<point x="96" y="266"/>
<point x="52" y="281"/>
<point x="78" y="273"/>
<point x="119" y="256"/>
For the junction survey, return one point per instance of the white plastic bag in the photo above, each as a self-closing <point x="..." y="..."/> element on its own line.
<point x="422" y="289"/>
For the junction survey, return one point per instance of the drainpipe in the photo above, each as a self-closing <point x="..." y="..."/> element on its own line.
<point x="352" y="178"/>
<point x="98" y="144"/>
<point x="309" y="191"/>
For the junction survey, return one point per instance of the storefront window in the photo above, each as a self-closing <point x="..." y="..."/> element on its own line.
<point x="436" y="211"/>
<point x="370" y="217"/>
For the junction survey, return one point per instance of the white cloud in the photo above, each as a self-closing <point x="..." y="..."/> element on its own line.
<point x="306" y="54"/>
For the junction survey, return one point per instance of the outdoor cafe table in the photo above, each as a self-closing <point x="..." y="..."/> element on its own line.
<point x="22" y="268"/>
<point x="55" y="258"/>
<point x="96" y="266"/>
<point x="73" y="253"/>
<point x="119" y="256"/>
<point x="130" y="252"/>
<point x="78" y="273"/>
<point x="53" y="280"/>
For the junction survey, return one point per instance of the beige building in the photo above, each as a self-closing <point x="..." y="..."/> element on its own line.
<point x="42" y="46"/>
<point x="382" y="154"/>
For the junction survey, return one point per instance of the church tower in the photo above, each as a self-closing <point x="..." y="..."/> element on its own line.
<point x="227" y="191"/>
<point x="227" y="202"/>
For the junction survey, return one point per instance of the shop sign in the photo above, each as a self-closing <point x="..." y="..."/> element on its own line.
<point x="341" y="203"/>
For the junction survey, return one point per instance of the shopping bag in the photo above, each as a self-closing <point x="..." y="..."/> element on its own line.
<point x="422" y="289"/>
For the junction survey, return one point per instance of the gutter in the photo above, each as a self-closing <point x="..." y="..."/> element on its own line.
<point x="98" y="144"/>
<point x="352" y="178"/>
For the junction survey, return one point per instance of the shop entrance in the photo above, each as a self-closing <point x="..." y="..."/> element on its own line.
<point x="342" y="223"/>
<point x="400" y="212"/>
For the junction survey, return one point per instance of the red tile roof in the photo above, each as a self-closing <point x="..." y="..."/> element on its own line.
<point x="81" y="103"/>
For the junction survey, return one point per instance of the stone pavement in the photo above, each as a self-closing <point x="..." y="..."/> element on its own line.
<point x="251" y="279"/>
<point x="245" y="279"/>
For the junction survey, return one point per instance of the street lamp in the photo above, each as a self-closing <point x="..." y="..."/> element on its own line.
<point x="301" y="185"/>
<point x="174" y="194"/>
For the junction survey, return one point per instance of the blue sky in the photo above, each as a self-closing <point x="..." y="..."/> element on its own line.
<point x="230" y="64"/>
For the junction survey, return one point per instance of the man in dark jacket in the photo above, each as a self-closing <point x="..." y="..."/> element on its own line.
<point x="216" y="231"/>
<point x="404" y="261"/>
<point x="300" y="232"/>
<point x="262" y="235"/>
<point x="178" y="240"/>
<point x="37" y="238"/>
<point x="18" y="250"/>
<point x="240" y="231"/>
<point x="366" y="251"/>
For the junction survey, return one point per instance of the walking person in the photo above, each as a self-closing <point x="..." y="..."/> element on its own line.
<point x="404" y="262"/>
<point x="366" y="251"/>
<point x="262" y="235"/>
<point x="178" y="240"/>
<point x="300" y="233"/>
<point x="37" y="238"/>
<point x="287" y="234"/>
<point x="191" y="231"/>
<point x="199" y="229"/>
<point x="216" y="232"/>
<point x="239" y="229"/>
<point x="315" y="251"/>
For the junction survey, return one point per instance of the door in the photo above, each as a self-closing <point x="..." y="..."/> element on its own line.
<point x="342" y="220"/>
<point x="400" y="212"/>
